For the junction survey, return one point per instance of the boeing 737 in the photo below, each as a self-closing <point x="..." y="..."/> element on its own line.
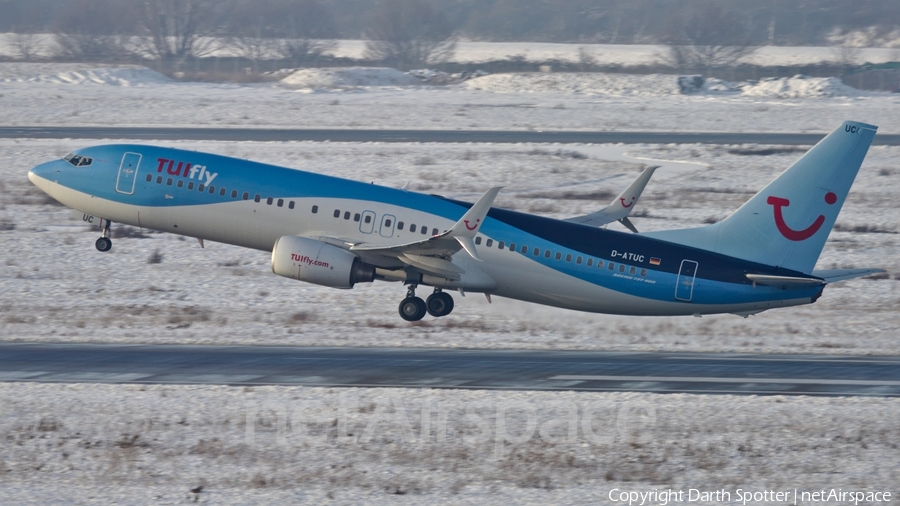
<point x="337" y="233"/>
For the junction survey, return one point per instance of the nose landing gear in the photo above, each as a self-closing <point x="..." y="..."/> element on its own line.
<point x="104" y="243"/>
<point x="413" y="308"/>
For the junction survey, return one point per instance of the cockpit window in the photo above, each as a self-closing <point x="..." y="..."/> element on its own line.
<point x="78" y="161"/>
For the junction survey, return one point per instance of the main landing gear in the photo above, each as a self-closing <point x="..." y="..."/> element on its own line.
<point x="413" y="308"/>
<point x="104" y="243"/>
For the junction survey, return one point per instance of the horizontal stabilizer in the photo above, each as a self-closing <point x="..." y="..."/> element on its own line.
<point x="785" y="282"/>
<point x="835" y="275"/>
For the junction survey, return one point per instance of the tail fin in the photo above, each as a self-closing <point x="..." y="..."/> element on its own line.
<point x="787" y="223"/>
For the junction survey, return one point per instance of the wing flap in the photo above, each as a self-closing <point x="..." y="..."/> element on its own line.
<point x="784" y="282"/>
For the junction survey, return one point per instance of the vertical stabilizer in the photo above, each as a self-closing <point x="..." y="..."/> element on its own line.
<point x="787" y="223"/>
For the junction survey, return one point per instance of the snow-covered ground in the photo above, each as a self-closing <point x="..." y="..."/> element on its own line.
<point x="478" y="52"/>
<point x="55" y="286"/>
<point x="79" y="95"/>
<point x="111" y="444"/>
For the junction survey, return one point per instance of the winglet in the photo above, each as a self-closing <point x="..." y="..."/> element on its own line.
<point x="468" y="225"/>
<point x="622" y="205"/>
<point x="465" y="230"/>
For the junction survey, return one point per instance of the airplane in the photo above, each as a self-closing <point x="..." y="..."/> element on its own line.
<point x="338" y="233"/>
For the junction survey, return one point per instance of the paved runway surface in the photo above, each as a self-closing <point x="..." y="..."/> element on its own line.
<point x="448" y="368"/>
<point x="494" y="136"/>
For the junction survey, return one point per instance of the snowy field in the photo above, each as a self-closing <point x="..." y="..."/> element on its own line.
<point x="105" y="444"/>
<point x="81" y="95"/>
<point x="604" y="54"/>
<point x="55" y="286"/>
<point x="136" y="445"/>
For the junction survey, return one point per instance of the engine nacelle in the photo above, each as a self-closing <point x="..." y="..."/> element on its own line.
<point x="318" y="262"/>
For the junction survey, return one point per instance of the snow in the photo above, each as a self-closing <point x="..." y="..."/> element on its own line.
<point x="109" y="444"/>
<point x="350" y="77"/>
<point x="35" y="95"/>
<point x="124" y="76"/>
<point x="113" y="444"/>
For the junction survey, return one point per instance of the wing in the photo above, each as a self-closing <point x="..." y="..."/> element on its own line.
<point x="620" y="207"/>
<point x="834" y="275"/>
<point x="432" y="255"/>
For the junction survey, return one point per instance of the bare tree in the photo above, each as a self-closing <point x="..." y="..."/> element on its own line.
<point x="301" y="30"/>
<point x="409" y="32"/>
<point x="94" y="30"/>
<point x="26" y="45"/>
<point x="707" y="36"/>
<point x="181" y="29"/>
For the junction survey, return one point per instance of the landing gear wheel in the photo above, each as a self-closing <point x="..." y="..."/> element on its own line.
<point x="439" y="304"/>
<point x="103" y="244"/>
<point x="412" y="309"/>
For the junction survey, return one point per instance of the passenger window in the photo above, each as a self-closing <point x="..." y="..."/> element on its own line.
<point x="212" y="190"/>
<point x="536" y="252"/>
<point x="234" y="194"/>
<point x="346" y="215"/>
<point x="612" y="266"/>
<point x="434" y="231"/>
<point x="291" y="204"/>
<point x="590" y="262"/>
<point x="387" y="223"/>
<point x="500" y="245"/>
<point x="599" y="264"/>
<point x="643" y="272"/>
<point x="368" y="218"/>
<point x="547" y="253"/>
<point x="337" y="213"/>
<point x="558" y="255"/>
<point x="269" y="201"/>
<point x="399" y="225"/>
<point x="489" y="243"/>
<point x="621" y="267"/>
<point x="245" y="196"/>
<point x="524" y="250"/>
<point x="424" y="230"/>
<point x="280" y="202"/>
<point x="578" y="260"/>
<point x="158" y="179"/>
<point x="169" y="182"/>
<point x="568" y="257"/>
<point x="200" y="187"/>
<point x="412" y="228"/>
<point x="356" y="217"/>
<point x="180" y="183"/>
<point x="191" y="185"/>
<point x="257" y="198"/>
<point x="222" y="192"/>
<point x="478" y="240"/>
<point x="632" y="270"/>
<point x="512" y="247"/>
<point x="315" y="209"/>
<point x="149" y="177"/>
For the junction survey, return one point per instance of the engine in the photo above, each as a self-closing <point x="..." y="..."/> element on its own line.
<point x="318" y="262"/>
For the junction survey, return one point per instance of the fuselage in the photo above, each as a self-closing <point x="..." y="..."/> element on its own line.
<point x="525" y="257"/>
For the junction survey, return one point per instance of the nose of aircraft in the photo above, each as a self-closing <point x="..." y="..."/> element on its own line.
<point x="44" y="171"/>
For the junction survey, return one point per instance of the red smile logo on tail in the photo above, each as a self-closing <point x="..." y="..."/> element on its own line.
<point x="797" y="235"/>
<point x="472" y="227"/>
<point x="626" y="206"/>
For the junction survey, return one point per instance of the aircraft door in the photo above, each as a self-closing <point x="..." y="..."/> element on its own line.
<point x="684" y="283"/>
<point x="387" y="225"/>
<point x="367" y="223"/>
<point x="128" y="170"/>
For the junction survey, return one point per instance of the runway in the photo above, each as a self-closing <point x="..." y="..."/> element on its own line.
<point x="437" y="136"/>
<point x="700" y="373"/>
